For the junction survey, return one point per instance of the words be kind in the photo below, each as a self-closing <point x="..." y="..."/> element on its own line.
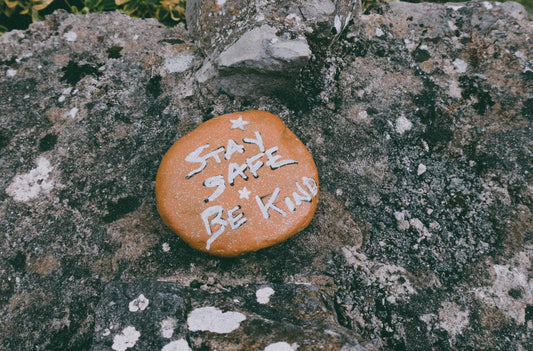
<point x="213" y="216"/>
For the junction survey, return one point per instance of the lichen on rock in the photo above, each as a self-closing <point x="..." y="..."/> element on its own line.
<point x="418" y="117"/>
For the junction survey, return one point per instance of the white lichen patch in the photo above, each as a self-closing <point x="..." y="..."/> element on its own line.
<point x="294" y="17"/>
<point x="487" y="5"/>
<point x="403" y="125"/>
<point x="177" y="345"/>
<point x="127" y="339"/>
<point x="452" y="25"/>
<point x="420" y="228"/>
<point x="454" y="90"/>
<point x="429" y="319"/>
<point x="139" y="304"/>
<point x="73" y="112"/>
<point x="460" y="65"/>
<point x="421" y="169"/>
<point x="402" y="223"/>
<point x="263" y="295"/>
<point x="11" y="72"/>
<point x="167" y="327"/>
<point x="206" y="72"/>
<point x="362" y="115"/>
<point x="331" y="332"/>
<point x="519" y="54"/>
<point x="70" y="36"/>
<point x="281" y="346"/>
<point x="25" y="187"/>
<point x="178" y="63"/>
<point x="508" y="278"/>
<point x="214" y="320"/>
<point x="393" y="279"/>
<point x="452" y="318"/>
<point x="165" y="247"/>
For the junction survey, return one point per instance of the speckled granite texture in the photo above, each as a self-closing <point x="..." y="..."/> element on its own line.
<point x="419" y="117"/>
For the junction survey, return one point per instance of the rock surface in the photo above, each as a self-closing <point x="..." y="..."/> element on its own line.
<point x="248" y="316"/>
<point x="263" y="44"/>
<point x="217" y="25"/>
<point x="418" y="116"/>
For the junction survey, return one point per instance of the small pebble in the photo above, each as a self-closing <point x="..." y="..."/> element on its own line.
<point x="263" y="295"/>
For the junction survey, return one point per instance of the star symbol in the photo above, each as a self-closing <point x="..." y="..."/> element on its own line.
<point x="244" y="193"/>
<point x="238" y="123"/>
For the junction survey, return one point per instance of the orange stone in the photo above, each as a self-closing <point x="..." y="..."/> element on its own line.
<point x="238" y="183"/>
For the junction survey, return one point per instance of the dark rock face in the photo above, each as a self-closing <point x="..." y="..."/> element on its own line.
<point x="151" y="315"/>
<point x="419" y="120"/>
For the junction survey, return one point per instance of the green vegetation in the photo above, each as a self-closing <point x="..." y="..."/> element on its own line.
<point x="18" y="14"/>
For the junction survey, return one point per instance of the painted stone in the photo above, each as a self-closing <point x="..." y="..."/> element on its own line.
<point x="238" y="183"/>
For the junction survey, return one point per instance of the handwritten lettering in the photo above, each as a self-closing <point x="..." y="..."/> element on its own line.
<point x="217" y="219"/>
<point x="206" y="214"/>
<point x="235" y="221"/>
<point x="238" y="220"/>
<point x="269" y="205"/>
<point x="273" y="162"/>
<point x="290" y="204"/>
<point x="235" y="170"/>
<point x="257" y="141"/>
<point x="302" y="196"/>
<point x="254" y="167"/>
<point x="216" y="181"/>
<point x="194" y="157"/>
<point x="310" y="183"/>
<point x="233" y="147"/>
<point x="213" y="216"/>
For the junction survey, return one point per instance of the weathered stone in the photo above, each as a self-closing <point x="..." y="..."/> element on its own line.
<point x="249" y="42"/>
<point x="219" y="24"/>
<point x="412" y="260"/>
<point x="262" y="50"/>
<point x="238" y="183"/>
<point x="161" y="319"/>
<point x="235" y="318"/>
